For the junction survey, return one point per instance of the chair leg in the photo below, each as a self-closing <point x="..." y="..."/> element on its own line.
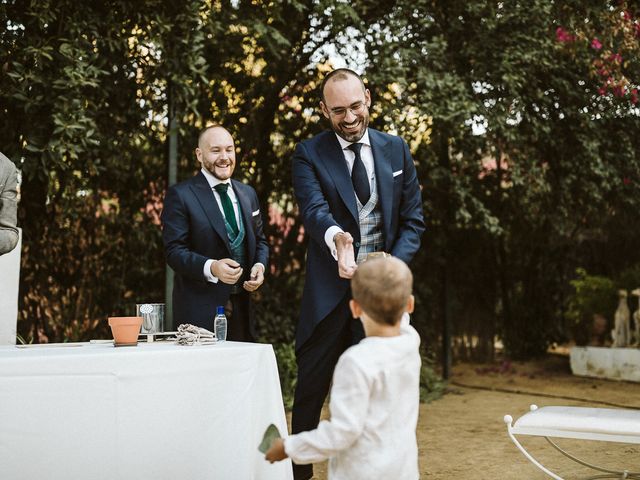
<point x="623" y="474"/>
<point x="508" y="420"/>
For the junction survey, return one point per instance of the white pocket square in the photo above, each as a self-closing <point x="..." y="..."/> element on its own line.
<point x="395" y="174"/>
<point x="256" y="213"/>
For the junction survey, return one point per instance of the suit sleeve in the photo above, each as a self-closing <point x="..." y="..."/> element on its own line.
<point x="8" y="206"/>
<point x="262" y="246"/>
<point x="411" y="219"/>
<point x="314" y="209"/>
<point x="175" y="234"/>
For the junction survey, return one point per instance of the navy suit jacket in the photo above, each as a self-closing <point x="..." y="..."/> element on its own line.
<point x="325" y="195"/>
<point x="193" y="231"/>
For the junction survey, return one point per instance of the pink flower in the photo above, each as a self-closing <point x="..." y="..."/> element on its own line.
<point x="619" y="90"/>
<point x="563" y="36"/>
<point x="602" y="91"/>
<point x="626" y="15"/>
<point x="634" y="96"/>
<point x="595" y="44"/>
<point x="615" y="57"/>
<point x="626" y="180"/>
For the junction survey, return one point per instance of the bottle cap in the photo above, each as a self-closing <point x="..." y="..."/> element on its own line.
<point x="220" y="310"/>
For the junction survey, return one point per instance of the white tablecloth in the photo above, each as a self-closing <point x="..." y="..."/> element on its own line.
<point x="155" y="411"/>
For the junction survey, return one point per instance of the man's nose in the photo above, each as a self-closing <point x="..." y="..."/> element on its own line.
<point x="349" y="116"/>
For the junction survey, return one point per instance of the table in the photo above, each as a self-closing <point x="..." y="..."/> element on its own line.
<point x="155" y="411"/>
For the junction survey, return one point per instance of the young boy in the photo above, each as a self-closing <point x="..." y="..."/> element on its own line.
<point x="375" y="392"/>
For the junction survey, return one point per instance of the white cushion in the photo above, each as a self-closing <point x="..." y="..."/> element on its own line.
<point x="606" y="421"/>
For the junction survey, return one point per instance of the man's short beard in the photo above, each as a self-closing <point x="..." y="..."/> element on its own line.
<point x="352" y="138"/>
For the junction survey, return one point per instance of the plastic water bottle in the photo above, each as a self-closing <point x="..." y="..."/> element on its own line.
<point x="220" y="324"/>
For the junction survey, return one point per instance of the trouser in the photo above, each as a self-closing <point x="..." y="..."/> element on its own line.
<point x="238" y="312"/>
<point x="316" y="360"/>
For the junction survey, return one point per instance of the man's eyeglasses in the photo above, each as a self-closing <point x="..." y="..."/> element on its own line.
<point x="355" y="108"/>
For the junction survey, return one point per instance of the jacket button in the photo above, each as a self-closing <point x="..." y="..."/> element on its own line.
<point x="357" y="244"/>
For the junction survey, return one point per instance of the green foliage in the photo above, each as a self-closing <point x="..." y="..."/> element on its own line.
<point x="432" y="386"/>
<point x="511" y="211"/>
<point x="288" y="371"/>
<point x="593" y="295"/>
<point x="528" y="169"/>
<point x="629" y="278"/>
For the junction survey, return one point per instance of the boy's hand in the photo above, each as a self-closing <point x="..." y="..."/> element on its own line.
<point x="276" y="452"/>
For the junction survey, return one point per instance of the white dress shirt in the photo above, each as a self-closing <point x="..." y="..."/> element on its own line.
<point x="374" y="406"/>
<point x="349" y="156"/>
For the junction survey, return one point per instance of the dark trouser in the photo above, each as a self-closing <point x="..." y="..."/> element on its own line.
<point x="316" y="361"/>
<point x="238" y="312"/>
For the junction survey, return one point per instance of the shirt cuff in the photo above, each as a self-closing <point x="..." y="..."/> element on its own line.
<point x="207" y="271"/>
<point x="328" y="239"/>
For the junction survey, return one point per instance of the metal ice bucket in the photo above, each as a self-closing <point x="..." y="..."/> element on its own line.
<point x="152" y="317"/>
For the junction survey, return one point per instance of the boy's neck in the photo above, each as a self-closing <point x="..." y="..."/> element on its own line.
<point x="374" y="329"/>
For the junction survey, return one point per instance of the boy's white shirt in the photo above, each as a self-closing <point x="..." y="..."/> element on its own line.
<point x="374" y="412"/>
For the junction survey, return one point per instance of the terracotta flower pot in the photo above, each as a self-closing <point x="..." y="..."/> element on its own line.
<point x="125" y="330"/>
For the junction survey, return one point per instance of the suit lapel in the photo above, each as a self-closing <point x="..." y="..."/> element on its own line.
<point x="384" y="177"/>
<point x="247" y="218"/>
<point x="337" y="168"/>
<point x="207" y="200"/>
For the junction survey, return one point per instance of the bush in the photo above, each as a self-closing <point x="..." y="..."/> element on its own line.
<point x="432" y="385"/>
<point x="288" y="371"/>
<point x="594" y="295"/>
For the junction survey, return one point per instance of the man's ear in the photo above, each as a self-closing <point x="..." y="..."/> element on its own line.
<point x="411" y="304"/>
<point x="356" y="310"/>
<point x="199" y="154"/>
<point x="325" y="110"/>
<point x="367" y="97"/>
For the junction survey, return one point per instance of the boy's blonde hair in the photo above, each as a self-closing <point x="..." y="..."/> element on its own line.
<point x="382" y="287"/>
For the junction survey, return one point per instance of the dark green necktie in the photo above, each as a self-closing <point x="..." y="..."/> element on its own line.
<point x="227" y="206"/>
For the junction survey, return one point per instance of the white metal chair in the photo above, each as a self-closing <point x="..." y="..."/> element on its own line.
<point x="603" y="424"/>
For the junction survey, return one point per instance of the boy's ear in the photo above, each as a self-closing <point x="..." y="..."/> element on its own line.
<point x="356" y="309"/>
<point x="411" y="304"/>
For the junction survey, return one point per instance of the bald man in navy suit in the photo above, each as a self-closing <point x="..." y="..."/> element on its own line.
<point x="214" y="240"/>
<point x="358" y="193"/>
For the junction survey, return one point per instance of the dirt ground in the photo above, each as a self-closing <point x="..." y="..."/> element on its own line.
<point x="463" y="436"/>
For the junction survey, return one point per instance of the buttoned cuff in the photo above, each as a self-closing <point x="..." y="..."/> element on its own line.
<point x="328" y="239"/>
<point x="207" y="271"/>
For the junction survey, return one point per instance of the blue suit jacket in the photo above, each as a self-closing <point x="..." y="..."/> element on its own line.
<point x="323" y="188"/>
<point x="193" y="231"/>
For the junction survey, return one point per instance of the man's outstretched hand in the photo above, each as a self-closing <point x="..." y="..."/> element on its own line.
<point x="346" y="256"/>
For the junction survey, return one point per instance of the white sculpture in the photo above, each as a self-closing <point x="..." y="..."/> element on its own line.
<point x="621" y="333"/>
<point x="636" y="317"/>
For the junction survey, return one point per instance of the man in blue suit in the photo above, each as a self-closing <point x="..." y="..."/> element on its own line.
<point x="214" y="241"/>
<point x="358" y="193"/>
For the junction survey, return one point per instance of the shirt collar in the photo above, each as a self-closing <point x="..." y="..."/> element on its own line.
<point x="364" y="140"/>
<point x="213" y="181"/>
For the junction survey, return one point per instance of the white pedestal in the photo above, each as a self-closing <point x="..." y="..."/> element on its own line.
<point x="602" y="362"/>
<point x="9" y="284"/>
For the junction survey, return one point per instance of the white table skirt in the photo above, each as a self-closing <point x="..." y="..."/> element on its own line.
<point x="155" y="411"/>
